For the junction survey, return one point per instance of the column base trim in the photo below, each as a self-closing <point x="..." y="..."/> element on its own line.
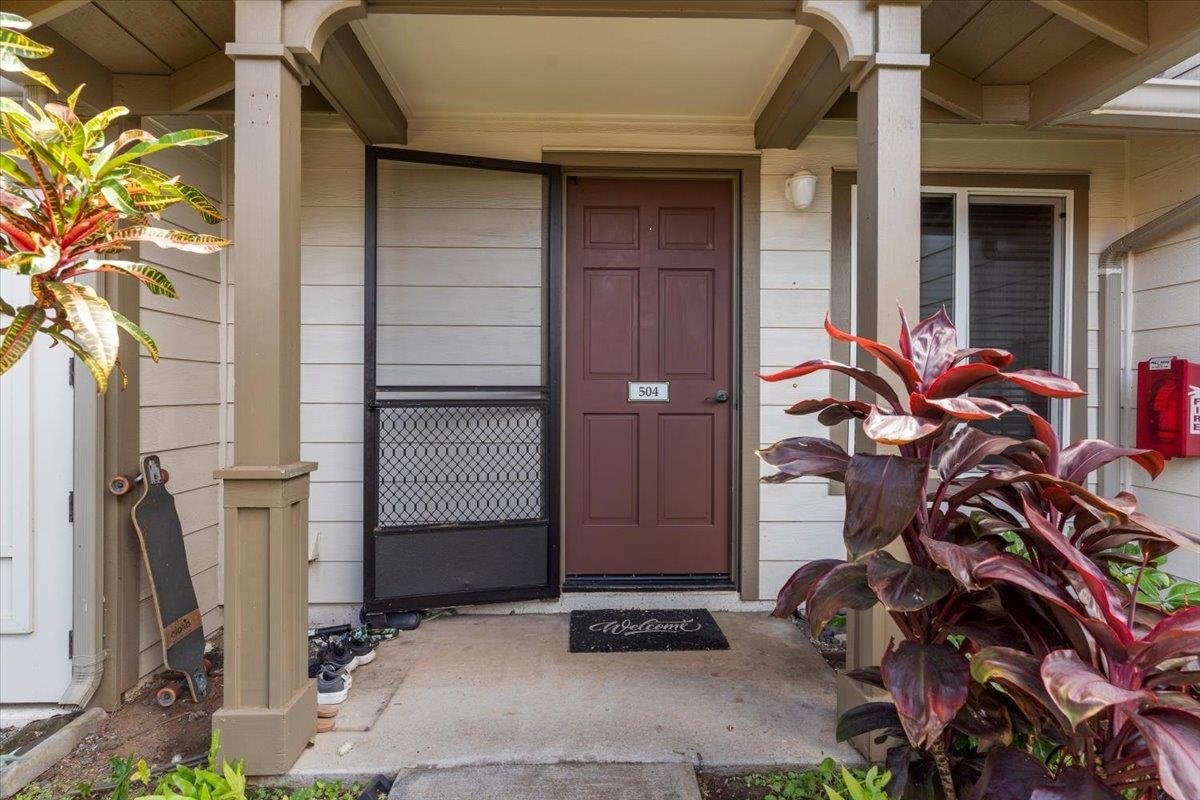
<point x="277" y="472"/>
<point x="269" y="740"/>
<point x="851" y="694"/>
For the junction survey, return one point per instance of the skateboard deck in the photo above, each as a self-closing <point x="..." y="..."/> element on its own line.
<point x="160" y="536"/>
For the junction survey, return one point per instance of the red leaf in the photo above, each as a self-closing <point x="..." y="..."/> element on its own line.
<point x="1019" y="573"/>
<point x="1044" y="383"/>
<point x="855" y="408"/>
<point x="882" y="496"/>
<point x="1081" y="692"/>
<point x="960" y="380"/>
<point x="959" y="560"/>
<point x="844" y="586"/>
<point x="990" y="355"/>
<point x="967" y="449"/>
<point x="934" y="341"/>
<point x="971" y="407"/>
<point x="1045" y="434"/>
<point x="1009" y="774"/>
<point x="1173" y="737"/>
<point x="1176" y="636"/>
<point x="1076" y="783"/>
<point x="905" y="587"/>
<point x="1015" y="669"/>
<point x="899" y="428"/>
<point x="795" y="591"/>
<point x="929" y="684"/>
<point x="807" y="455"/>
<point x="1098" y="584"/>
<point x="1081" y="458"/>
<point x="886" y="355"/>
<point x="867" y="378"/>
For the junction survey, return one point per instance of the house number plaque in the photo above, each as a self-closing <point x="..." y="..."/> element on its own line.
<point x="649" y="391"/>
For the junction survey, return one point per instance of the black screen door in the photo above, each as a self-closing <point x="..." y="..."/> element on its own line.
<point x="462" y="264"/>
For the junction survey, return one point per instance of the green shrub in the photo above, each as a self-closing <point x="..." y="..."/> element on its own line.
<point x="813" y="784"/>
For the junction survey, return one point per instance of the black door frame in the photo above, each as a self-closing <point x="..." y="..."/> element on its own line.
<point x="548" y="392"/>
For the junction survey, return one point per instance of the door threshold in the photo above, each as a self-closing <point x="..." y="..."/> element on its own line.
<point x="643" y="583"/>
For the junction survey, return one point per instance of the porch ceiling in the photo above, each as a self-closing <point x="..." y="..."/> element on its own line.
<point x="530" y="65"/>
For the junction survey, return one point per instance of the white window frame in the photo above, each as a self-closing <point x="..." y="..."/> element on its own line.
<point x="1064" y="258"/>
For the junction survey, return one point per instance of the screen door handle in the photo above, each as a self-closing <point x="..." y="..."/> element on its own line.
<point x="721" y="396"/>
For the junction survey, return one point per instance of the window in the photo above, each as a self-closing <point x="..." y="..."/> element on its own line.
<point x="996" y="262"/>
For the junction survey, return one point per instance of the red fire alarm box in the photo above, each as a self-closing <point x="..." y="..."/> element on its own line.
<point x="1168" y="406"/>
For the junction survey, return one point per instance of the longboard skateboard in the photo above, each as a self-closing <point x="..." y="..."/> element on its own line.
<point x="161" y="539"/>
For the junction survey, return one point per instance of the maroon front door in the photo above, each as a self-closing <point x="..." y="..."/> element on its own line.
<point x="649" y="271"/>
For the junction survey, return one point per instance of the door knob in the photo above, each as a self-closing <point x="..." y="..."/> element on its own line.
<point x="721" y="396"/>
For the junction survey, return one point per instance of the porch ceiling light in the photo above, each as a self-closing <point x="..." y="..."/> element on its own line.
<point x="801" y="187"/>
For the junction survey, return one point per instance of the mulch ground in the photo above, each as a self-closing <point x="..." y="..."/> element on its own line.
<point x="729" y="787"/>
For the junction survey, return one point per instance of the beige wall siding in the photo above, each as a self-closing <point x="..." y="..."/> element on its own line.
<point x="181" y="395"/>
<point x="1163" y="285"/>
<point x="799" y="521"/>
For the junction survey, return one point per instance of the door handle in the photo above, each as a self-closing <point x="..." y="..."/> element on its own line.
<point x="721" y="396"/>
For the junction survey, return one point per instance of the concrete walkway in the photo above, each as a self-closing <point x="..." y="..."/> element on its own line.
<point x="487" y="690"/>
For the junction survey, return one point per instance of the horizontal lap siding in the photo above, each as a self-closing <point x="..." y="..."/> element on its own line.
<point x="802" y="521"/>
<point x="1164" y="286"/>
<point x="799" y="521"/>
<point x="459" y="302"/>
<point x="181" y="394"/>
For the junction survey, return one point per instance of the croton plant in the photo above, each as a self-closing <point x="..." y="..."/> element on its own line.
<point x="1027" y="668"/>
<point x="74" y="198"/>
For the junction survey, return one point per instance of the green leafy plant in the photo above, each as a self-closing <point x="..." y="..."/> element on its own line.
<point x="72" y="201"/>
<point x="16" y="46"/>
<point x="811" y="784"/>
<point x="871" y="787"/>
<point x="1014" y="632"/>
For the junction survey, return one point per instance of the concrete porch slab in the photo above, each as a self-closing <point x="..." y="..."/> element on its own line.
<point x="550" y="782"/>
<point x="485" y="690"/>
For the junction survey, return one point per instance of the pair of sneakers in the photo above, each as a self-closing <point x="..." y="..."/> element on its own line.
<point x="350" y="652"/>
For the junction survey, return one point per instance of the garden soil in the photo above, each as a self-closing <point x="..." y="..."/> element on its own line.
<point x="141" y="727"/>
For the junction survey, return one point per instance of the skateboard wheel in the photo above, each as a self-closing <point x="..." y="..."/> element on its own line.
<point x="166" y="696"/>
<point x="120" y="485"/>
<point x="166" y="476"/>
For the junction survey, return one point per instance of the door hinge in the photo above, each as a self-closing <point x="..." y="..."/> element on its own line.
<point x="71" y="506"/>
<point x="71" y="371"/>
<point x="70" y="644"/>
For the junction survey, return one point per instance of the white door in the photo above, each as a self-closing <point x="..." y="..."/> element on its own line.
<point x="36" y="455"/>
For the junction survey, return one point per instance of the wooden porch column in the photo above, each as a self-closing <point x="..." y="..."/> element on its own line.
<point x="270" y="703"/>
<point x="889" y="238"/>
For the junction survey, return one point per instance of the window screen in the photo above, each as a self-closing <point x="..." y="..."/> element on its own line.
<point x="937" y="254"/>
<point x="1012" y="294"/>
<point x="1010" y="277"/>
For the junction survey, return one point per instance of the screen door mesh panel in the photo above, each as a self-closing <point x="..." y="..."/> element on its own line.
<point x="461" y="463"/>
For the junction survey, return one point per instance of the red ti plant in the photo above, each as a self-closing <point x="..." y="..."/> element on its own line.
<point x="1044" y="648"/>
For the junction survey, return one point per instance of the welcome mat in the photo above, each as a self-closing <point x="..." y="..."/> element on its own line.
<point x="615" y="631"/>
